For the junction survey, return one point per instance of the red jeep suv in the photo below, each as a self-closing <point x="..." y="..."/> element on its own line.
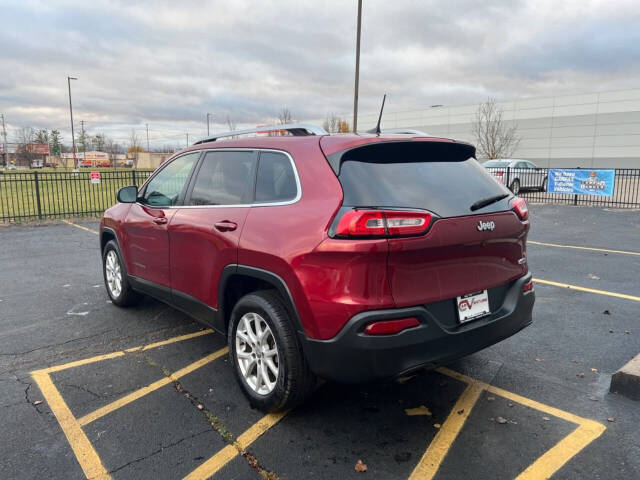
<point x="348" y="257"/>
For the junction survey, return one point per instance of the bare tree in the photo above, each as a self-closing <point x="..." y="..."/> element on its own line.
<point x="134" y="146"/>
<point x="494" y="139"/>
<point x="98" y="142"/>
<point x="284" y="116"/>
<point x="112" y="148"/>
<point x="24" y="136"/>
<point x="335" y="124"/>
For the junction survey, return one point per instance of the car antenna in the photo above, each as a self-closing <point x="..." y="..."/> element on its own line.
<point x="378" y="131"/>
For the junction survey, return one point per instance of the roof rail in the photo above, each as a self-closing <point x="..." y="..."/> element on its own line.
<point x="295" y="129"/>
<point x="405" y="131"/>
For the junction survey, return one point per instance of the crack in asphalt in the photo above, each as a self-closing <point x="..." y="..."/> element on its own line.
<point x="26" y="395"/>
<point x="215" y="423"/>
<point x="160" y="450"/>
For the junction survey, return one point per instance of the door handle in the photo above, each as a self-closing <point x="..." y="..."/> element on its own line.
<point x="225" y="226"/>
<point x="160" y="220"/>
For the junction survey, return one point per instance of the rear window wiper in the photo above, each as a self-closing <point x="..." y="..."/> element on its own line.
<point x="487" y="201"/>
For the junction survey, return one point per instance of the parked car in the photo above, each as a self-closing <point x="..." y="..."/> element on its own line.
<point x="519" y="174"/>
<point x="348" y="257"/>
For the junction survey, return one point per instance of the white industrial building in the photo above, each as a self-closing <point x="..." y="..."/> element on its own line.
<point x="585" y="130"/>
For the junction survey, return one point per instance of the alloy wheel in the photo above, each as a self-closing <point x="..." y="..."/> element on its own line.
<point x="114" y="273"/>
<point x="257" y="353"/>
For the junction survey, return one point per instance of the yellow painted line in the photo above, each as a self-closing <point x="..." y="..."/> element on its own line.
<point x="107" y="356"/>
<point x="549" y="463"/>
<point x="589" y="290"/>
<point x="433" y="457"/>
<point x="181" y="338"/>
<point x="85" y="453"/>
<point x="575" y="247"/>
<point x="79" y="363"/>
<point x="133" y="396"/>
<point x="228" y="453"/>
<point x="80" y="227"/>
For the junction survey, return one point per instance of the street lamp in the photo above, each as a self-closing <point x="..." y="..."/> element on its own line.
<point x="208" y="115"/>
<point x="355" y="90"/>
<point x="73" y="137"/>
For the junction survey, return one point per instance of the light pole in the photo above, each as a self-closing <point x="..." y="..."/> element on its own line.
<point x="355" y="91"/>
<point x="208" y="115"/>
<point x="73" y="137"/>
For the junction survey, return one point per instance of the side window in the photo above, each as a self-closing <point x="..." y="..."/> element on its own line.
<point x="164" y="189"/>
<point x="276" y="180"/>
<point x="225" y="178"/>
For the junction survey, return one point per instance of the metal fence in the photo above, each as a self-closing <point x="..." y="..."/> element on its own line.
<point x="41" y="195"/>
<point x="531" y="184"/>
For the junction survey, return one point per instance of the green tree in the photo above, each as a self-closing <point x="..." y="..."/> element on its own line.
<point x="55" y="142"/>
<point x="83" y="140"/>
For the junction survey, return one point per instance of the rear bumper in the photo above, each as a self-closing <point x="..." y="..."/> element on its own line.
<point x="352" y="356"/>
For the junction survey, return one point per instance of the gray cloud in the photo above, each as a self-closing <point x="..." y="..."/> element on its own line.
<point x="167" y="64"/>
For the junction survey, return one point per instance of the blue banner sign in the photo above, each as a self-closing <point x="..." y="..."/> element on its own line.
<point x="581" y="182"/>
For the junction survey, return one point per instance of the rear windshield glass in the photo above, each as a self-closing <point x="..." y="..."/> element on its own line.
<point x="418" y="177"/>
<point x="496" y="163"/>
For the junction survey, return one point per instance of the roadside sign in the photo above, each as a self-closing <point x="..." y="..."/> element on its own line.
<point x="581" y="182"/>
<point x="95" y="177"/>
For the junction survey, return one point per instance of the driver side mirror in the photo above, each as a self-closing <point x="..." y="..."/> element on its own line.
<point x="128" y="194"/>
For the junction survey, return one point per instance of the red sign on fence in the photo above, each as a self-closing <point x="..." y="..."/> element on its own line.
<point x="95" y="177"/>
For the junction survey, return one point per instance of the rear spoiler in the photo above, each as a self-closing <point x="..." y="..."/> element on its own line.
<point x="402" y="151"/>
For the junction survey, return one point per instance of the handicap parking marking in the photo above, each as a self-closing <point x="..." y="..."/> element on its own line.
<point x="588" y="290"/>
<point x="577" y="247"/>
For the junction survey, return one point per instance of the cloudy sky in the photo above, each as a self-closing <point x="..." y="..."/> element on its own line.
<point x="169" y="63"/>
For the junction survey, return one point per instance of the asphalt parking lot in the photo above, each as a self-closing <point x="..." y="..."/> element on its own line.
<point x="88" y="390"/>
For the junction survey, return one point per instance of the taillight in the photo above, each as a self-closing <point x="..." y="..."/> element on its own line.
<point x="377" y="223"/>
<point x="389" y="327"/>
<point x="520" y="207"/>
<point x="528" y="287"/>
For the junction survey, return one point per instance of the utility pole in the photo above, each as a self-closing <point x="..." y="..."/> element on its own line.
<point x="355" y="91"/>
<point x="208" y="115"/>
<point x="147" y="138"/>
<point x="4" y="144"/>
<point x="187" y="139"/>
<point x="73" y="137"/>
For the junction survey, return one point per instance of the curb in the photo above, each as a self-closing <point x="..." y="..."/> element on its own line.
<point x="626" y="381"/>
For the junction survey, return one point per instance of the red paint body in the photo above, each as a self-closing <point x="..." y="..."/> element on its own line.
<point x="330" y="279"/>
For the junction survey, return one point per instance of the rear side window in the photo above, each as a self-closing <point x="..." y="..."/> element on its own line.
<point x="276" y="180"/>
<point x="224" y="178"/>
<point x="420" y="175"/>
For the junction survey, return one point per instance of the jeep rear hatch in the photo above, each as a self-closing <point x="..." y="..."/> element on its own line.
<point x="458" y="233"/>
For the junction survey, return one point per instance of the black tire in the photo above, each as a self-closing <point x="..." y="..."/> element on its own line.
<point x="295" y="381"/>
<point x="127" y="295"/>
<point x="543" y="187"/>
<point x="515" y="187"/>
